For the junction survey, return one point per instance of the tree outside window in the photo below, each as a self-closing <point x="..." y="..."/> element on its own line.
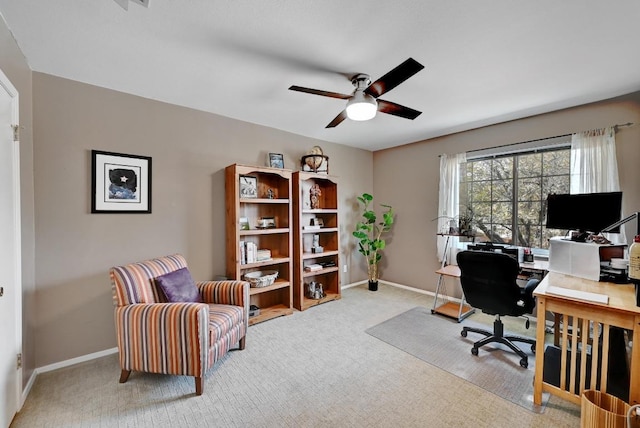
<point x="507" y="195"/>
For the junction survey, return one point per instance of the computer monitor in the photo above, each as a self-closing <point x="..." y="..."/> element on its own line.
<point x="586" y="213"/>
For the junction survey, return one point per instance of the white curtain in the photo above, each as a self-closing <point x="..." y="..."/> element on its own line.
<point x="448" y="200"/>
<point x="594" y="167"/>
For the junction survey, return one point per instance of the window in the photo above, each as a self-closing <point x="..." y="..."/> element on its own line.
<point x="506" y="195"/>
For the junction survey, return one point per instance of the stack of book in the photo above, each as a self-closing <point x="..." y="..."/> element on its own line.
<point x="313" y="267"/>
<point x="248" y="252"/>
<point x="263" y="255"/>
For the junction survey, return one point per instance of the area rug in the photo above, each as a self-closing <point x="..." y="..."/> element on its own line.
<point x="436" y="340"/>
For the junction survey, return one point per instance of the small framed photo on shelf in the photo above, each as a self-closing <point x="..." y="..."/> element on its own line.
<point x="244" y="223"/>
<point x="248" y="186"/>
<point x="267" y="223"/>
<point x="317" y="221"/>
<point x="276" y="160"/>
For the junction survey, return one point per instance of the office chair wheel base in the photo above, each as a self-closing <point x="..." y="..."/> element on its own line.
<point x="474" y="351"/>
<point x="524" y="363"/>
<point x="463" y="333"/>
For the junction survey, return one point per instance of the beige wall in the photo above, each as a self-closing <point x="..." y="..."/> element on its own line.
<point x="15" y="67"/>
<point x="189" y="148"/>
<point x="407" y="177"/>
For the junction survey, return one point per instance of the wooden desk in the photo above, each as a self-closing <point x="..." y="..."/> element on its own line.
<point x="458" y="311"/>
<point x="585" y="316"/>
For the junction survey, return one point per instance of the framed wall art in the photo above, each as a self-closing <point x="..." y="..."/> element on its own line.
<point x="120" y="183"/>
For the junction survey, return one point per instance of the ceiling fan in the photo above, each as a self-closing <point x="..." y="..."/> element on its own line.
<point x="125" y="3"/>
<point x="363" y="103"/>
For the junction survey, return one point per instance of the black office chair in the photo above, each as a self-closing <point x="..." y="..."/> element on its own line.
<point x="489" y="283"/>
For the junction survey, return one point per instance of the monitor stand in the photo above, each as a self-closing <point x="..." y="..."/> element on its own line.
<point x="579" y="236"/>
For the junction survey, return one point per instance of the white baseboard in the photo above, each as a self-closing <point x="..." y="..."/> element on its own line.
<point x="27" y="388"/>
<point x="393" y="284"/>
<point x="417" y="290"/>
<point x="353" y="284"/>
<point x="72" y="361"/>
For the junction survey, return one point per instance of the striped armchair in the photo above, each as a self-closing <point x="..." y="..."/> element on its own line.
<point x="181" y="338"/>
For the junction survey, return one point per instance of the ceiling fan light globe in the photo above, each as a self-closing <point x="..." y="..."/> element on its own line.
<point x="361" y="107"/>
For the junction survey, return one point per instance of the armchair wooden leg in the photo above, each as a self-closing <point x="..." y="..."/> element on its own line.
<point x="243" y="342"/>
<point x="199" y="385"/>
<point x="124" y="375"/>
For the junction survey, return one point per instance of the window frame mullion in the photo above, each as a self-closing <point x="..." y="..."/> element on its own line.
<point x="514" y="201"/>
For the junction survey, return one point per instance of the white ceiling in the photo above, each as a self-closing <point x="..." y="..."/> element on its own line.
<point x="486" y="61"/>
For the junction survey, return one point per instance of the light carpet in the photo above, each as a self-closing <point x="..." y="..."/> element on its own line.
<point x="437" y="341"/>
<point x="316" y="369"/>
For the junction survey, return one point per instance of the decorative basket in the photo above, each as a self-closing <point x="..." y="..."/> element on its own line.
<point x="261" y="278"/>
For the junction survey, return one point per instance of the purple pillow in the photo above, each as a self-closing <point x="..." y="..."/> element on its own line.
<point x="178" y="286"/>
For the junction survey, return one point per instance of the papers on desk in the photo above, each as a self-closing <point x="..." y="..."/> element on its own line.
<point x="579" y="295"/>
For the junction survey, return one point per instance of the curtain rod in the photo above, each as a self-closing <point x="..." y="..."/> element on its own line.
<point x="621" y="125"/>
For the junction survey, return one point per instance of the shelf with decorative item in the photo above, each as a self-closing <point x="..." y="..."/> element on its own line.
<point x="316" y="238"/>
<point x="267" y="231"/>
<point x="273" y="311"/>
<point x="259" y="234"/>
<point x="320" y="272"/>
<point x="275" y="286"/>
<point x="326" y="253"/>
<point x="319" y="287"/>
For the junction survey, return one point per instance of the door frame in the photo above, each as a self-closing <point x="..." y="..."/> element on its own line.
<point x="17" y="244"/>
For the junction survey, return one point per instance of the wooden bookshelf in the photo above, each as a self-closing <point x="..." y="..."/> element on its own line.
<point x="327" y="236"/>
<point x="271" y="198"/>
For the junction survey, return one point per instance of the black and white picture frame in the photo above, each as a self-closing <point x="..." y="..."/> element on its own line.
<point x="248" y="186"/>
<point x="120" y="183"/>
<point x="276" y="160"/>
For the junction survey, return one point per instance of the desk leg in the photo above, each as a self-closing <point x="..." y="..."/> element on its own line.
<point x="435" y="298"/>
<point x="634" y="385"/>
<point x="540" y="337"/>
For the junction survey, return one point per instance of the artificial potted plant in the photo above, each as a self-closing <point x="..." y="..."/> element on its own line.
<point x="369" y="233"/>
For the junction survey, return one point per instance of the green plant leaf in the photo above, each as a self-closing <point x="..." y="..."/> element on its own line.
<point x="370" y="216"/>
<point x="360" y="235"/>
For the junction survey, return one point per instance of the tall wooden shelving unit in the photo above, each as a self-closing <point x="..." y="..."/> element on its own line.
<point x="273" y="200"/>
<point x="328" y="237"/>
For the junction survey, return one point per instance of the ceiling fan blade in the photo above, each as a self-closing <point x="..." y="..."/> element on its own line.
<point x="319" y="92"/>
<point x="394" y="78"/>
<point x="397" y="109"/>
<point x="338" y="119"/>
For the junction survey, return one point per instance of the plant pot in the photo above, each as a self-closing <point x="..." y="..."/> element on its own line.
<point x="373" y="285"/>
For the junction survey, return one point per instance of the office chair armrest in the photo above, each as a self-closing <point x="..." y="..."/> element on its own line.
<point x="531" y="285"/>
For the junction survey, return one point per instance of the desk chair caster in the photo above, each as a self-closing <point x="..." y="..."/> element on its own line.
<point x="524" y="361"/>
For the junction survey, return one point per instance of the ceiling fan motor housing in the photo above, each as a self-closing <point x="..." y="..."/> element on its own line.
<point x="361" y="81"/>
